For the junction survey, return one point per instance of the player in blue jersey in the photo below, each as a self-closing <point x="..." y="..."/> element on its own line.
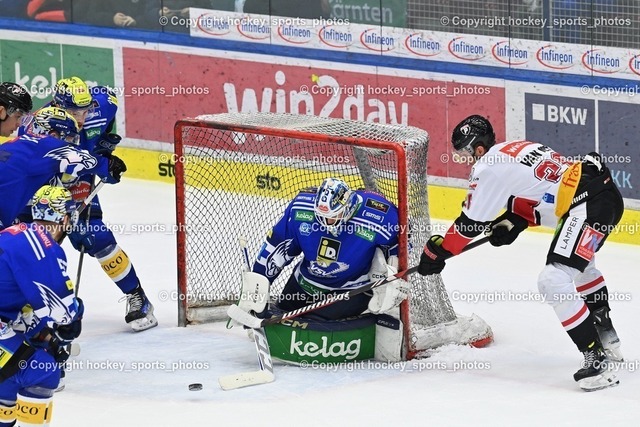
<point x="347" y="239"/>
<point x="15" y="102"/>
<point x="45" y="150"/>
<point x="95" y="108"/>
<point x="36" y="291"/>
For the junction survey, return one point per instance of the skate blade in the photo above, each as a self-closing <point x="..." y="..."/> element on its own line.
<point x="143" y="324"/>
<point x="599" y="382"/>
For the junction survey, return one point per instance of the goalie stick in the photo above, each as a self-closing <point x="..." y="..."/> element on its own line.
<point x="241" y="316"/>
<point x="265" y="373"/>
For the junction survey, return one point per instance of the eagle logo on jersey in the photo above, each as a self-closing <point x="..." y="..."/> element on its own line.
<point x="322" y="269"/>
<point x="277" y="258"/>
<point x="72" y="161"/>
<point x="54" y="307"/>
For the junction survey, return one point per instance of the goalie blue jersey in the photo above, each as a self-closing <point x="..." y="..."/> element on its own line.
<point x="33" y="271"/>
<point x="329" y="262"/>
<point x="29" y="162"/>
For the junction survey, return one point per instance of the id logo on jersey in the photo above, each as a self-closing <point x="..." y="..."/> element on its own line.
<point x="589" y="242"/>
<point x="328" y="250"/>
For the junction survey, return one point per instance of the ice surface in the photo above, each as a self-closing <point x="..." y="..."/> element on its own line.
<point x="523" y="378"/>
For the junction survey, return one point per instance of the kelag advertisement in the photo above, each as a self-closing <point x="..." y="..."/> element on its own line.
<point x="38" y="66"/>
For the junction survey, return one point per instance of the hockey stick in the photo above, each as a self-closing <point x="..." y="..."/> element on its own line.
<point x="85" y="203"/>
<point x="239" y="315"/>
<point x="265" y="373"/>
<point x="83" y="249"/>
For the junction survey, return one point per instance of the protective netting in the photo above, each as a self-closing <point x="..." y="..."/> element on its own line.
<point x="239" y="172"/>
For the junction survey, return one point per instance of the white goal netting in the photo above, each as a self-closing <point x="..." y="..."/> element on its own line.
<point x="236" y="173"/>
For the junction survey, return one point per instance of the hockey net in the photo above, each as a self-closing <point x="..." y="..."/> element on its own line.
<point x="236" y="173"/>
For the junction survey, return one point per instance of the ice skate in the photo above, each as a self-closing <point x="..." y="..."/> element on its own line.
<point x="595" y="373"/>
<point x="139" y="311"/>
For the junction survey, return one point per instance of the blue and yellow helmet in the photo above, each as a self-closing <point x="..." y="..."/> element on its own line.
<point x="72" y="94"/>
<point x="49" y="119"/>
<point x="52" y="204"/>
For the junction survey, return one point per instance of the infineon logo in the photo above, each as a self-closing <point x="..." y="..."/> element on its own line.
<point x="417" y="44"/>
<point x="255" y="29"/>
<point x="373" y="40"/>
<point x="335" y="38"/>
<point x="468" y="51"/>
<point x="553" y="57"/>
<point x="598" y="62"/>
<point x="506" y="54"/>
<point x="295" y="34"/>
<point x="213" y="25"/>
<point x="634" y="64"/>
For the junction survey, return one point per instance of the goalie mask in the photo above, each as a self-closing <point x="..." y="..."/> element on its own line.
<point x="473" y="131"/>
<point x="53" y="119"/>
<point x="52" y="204"/>
<point x="335" y="204"/>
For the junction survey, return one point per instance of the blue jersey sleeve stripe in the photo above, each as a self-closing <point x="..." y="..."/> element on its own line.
<point x="35" y="244"/>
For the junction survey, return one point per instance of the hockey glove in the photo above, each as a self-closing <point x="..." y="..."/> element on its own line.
<point x="432" y="260"/>
<point x="505" y="229"/>
<point x="107" y="144"/>
<point x="80" y="237"/>
<point x="390" y="295"/>
<point x="59" y="349"/>
<point x="71" y="331"/>
<point x="116" y="169"/>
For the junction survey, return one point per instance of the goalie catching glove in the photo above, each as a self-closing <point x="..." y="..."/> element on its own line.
<point x="391" y="294"/>
<point x="505" y="229"/>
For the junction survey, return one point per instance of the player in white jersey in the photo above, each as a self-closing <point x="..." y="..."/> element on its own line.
<point x="540" y="187"/>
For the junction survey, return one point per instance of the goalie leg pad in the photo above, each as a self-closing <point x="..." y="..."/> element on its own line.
<point x="308" y="340"/>
<point x="389" y="337"/>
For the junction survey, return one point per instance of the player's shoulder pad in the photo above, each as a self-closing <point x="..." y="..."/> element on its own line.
<point x="35" y="243"/>
<point x="375" y="206"/>
<point x="301" y="207"/>
<point x="104" y="95"/>
<point x="376" y="215"/>
<point x="105" y="105"/>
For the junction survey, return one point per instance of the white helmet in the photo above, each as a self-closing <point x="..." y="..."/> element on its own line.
<point x="335" y="204"/>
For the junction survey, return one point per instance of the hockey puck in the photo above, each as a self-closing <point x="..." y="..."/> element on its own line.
<point x="195" y="387"/>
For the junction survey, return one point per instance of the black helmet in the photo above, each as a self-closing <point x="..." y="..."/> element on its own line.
<point x="15" y="97"/>
<point x="473" y="131"/>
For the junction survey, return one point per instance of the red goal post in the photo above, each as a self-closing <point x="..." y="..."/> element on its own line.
<point x="235" y="173"/>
